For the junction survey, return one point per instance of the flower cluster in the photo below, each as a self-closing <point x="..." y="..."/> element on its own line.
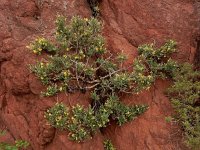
<point x="41" y="44"/>
<point x="81" y="35"/>
<point x="142" y="77"/>
<point x="153" y="63"/>
<point x="149" y="51"/>
<point x="58" y="116"/>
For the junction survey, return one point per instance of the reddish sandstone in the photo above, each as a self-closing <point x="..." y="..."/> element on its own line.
<point x="127" y="24"/>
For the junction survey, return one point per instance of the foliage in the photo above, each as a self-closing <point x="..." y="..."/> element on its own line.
<point x="121" y="112"/>
<point x="58" y="116"/>
<point x="157" y="60"/>
<point x="41" y="44"/>
<point x="80" y="62"/>
<point x="108" y="145"/>
<point x="168" y="119"/>
<point x="77" y="45"/>
<point x="185" y="98"/>
<point x="149" y="51"/>
<point x="2" y="132"/>
<point x="19" y="144"/>
<point x="153" y="63"/>
<point x="83" y="123"/>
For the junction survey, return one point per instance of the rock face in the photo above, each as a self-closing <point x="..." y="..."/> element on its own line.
<point x="127" y="24"/>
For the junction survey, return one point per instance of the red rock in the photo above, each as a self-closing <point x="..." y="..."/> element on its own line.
<point x="127" y="24"/>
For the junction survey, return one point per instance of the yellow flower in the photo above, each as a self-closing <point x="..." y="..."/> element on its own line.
<point x="61" y="88"/>
<point x="59" y="117"/>
<point x="28" y="47"/>
<point x="86" y="19"/>
<point x="34" y="51"/>
<point x="73" y="120"/>
<point x="83" y="56"/>
<point x="76" y="57"/>
<point x="69" y="73"/>
<point x="67" y="49"/>
<point x="41" y="40"/>
<point x="65" y="73"/>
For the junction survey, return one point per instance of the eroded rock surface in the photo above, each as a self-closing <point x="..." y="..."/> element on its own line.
<point x="127" y="24"/>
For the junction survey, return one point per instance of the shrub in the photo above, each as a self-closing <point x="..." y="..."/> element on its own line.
<point x="108" y="145"/>
<point x="78" y="44"/>
<point x="83" y="123"/>
<point x="58" y="116"/>
<point x="149" y="51"/>
<point x="81" y="62"/>
<point x="158" y="60"/>
<point x="41" y="44"/>
<point x="185" y="98"/>
<point x="153" y="63"/>
<point x="19" y="144"/>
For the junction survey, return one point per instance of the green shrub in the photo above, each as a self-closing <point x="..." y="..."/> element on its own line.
<point x="108" y="145"/>
<point x="83" y="123"/>
<point x="78" y="44"/>
<point x="121" y="112"/>
<point x="158" y="60"/>
<point x="41" y="44"/>
<point x="21" y="144"/>
<point x="58" y="116"/>
<point x="185" y="98"/>
<point x="149" y="51"/>
<point x="153" y="63"/>
<point x="168" y="119"/>
<point x="18" y="145"/>
<point x="81" y="62"/>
